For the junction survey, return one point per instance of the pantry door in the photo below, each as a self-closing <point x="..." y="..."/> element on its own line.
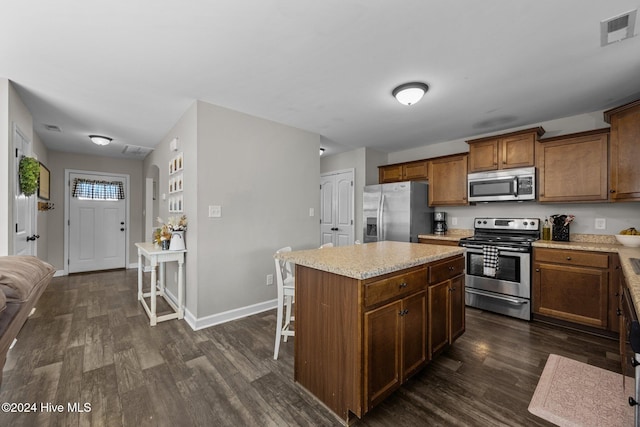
<point x="97" y="225"/>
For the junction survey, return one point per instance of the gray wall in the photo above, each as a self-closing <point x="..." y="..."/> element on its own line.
<point x="365" y="161"/>
<point x="618" y="215"/>
<point x="58" y="162"/>
<point x="265" y="176"/>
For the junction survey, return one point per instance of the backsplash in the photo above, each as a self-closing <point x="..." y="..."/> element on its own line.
<point x="618" y="216"/>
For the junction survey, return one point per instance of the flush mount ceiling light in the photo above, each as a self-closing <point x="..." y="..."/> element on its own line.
<point x="100" y="140"/>
<point x="410" y="93"/>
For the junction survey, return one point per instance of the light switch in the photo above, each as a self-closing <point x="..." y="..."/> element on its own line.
<point x="312" y="212"/>
<point x="215" y="211"/>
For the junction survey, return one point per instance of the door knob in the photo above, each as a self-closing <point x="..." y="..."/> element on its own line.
<point x="121" y="222"/>
<point x="122" y="229"/>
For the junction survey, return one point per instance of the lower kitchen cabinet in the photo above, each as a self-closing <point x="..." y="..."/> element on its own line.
<point x="576" y="287"/>
<point x="395" y="345"/>
<point x="446" y="304"/>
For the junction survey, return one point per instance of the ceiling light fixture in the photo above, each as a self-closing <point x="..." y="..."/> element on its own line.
<point x="100" y="140"/>
<point x="321" y="151"/>
<point x="410" y="93"/>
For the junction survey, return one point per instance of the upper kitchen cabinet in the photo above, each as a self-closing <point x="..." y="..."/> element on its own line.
<point x="448" y="180"/>
<point x="573" y="168"/>
<point x="410" y="171"/>
<point x="511" y="150"/>
<point x="624" y="169"/>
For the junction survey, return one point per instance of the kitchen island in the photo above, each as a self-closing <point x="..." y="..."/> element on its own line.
<point x="368" y="317"/>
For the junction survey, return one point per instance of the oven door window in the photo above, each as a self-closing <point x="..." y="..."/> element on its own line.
<point x="498" y="187"/>
<point x="508" y="266"/>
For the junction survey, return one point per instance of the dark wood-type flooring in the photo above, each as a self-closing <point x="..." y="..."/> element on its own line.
<point x="90" y="341"/>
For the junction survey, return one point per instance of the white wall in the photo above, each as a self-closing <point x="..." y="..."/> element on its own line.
<point x="6" y="206"/>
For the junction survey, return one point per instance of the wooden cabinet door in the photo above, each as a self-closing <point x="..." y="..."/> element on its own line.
<point x="392" y="173"/>
<point x="438" y="317"/>
<point x="382" y="352"/>
<point x="483" y="156"/>
<point x="414" y="333"/>
<point x="415" y="171"/>
<point x="625" y="154"/>
<point x="448" y="181"/>
<point x="457" y="321"/>
<point x="517" y="151"/>
<point x="574" y="294"/>
<point x="573" y="168"/>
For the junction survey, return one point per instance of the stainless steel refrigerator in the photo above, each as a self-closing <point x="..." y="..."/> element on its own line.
<point x="396" y="211"/>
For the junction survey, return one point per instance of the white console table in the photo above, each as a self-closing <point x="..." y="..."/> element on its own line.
<point x="157" y="256"/>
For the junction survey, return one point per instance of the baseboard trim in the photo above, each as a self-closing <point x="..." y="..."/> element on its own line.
<point x="227" y="316"/>
<point x="59" y="273"/>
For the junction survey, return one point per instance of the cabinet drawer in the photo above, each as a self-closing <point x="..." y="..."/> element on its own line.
<point x="446" y="270"/>
<point x="560" y="256"/>
<point x="394" y="287"/>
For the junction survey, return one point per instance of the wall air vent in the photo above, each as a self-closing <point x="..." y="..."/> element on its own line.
<point x="53" y="128"/>
<point x="618" y="28"/>
<point x="136" y="151"/>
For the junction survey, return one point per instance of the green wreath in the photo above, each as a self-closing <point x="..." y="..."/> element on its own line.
<point x="29" y="175"/>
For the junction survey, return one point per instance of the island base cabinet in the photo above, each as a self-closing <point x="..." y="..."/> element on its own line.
<point x="328" y="341"/>
<point x="395" y="345"/>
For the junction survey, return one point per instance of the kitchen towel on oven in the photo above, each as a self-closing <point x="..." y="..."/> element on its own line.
<point x="490" y="261"/>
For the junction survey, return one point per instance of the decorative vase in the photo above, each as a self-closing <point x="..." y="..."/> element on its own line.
<point x="177" y="241"/>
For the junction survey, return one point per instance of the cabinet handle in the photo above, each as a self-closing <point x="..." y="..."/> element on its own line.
<point x="403" y="312"/>
<point x="612" y="191"/>
<point x="403" y="285"/>
<point x="618" y="312"/>
<point x="537" y="270"/>
<point x="568" y="258"/>
<point x="452" y="289"/>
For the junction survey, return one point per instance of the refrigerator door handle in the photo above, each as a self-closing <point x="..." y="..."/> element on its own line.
<point x="381" y="221"/>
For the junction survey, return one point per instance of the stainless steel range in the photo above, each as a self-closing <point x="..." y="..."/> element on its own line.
<point x="506" y="245"/>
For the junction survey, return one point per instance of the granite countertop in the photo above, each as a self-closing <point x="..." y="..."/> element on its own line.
<point x="632" y="279"/>
<point x="370" y="259"/>
<point x="453" y="234"/>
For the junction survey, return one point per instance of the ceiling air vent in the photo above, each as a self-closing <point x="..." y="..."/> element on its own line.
<point x="136" y="151"/>
<point x="618" y="28"/>
<point x="53" y="128"/>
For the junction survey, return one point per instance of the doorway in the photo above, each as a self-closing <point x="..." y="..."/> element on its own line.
<point x="24" y="207"/>
<point x="337" y="208"/>
<point x="96" y="220"/>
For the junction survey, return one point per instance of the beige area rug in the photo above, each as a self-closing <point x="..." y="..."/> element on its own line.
<point x="571" y="393"/>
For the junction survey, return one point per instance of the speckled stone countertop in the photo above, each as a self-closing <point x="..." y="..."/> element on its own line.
<point x="632" y="279"/>
<point x="370" y="259"/>
<point x="603" y="243"/>
<point x="453" y="234"/>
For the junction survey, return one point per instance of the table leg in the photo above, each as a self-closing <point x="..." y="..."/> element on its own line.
<point x="180" y="288"/>
<point x="162" y="267"/>
<point x="154" y="265"/>
<point x="140" y="269"/>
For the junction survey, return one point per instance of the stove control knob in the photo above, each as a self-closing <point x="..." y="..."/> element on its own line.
<point x="525" y="223"/>
<point x="484" y="222"/>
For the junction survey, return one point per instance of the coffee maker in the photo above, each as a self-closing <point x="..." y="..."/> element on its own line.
<point x="439" y="223"/>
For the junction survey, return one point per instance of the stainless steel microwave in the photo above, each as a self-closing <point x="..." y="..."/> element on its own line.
<point x="502" y="185"/>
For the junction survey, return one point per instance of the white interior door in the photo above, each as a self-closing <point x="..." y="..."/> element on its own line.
<point x="97" y="237"/>
<point x="336" y="208"/>
<point x="24" y="208"/>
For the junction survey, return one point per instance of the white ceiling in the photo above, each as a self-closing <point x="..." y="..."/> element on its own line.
<point x="129" y="69"/>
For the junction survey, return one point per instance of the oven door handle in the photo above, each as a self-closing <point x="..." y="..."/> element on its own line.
<point x="484" y="294"/>
<point x="500" y="248"/>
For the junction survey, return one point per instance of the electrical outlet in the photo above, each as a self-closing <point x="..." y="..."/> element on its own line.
<point x="312" y="212"/>
<point x="601" y="223"/>
<point x="269" y="279"/>
<point x="454" y="220"/>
